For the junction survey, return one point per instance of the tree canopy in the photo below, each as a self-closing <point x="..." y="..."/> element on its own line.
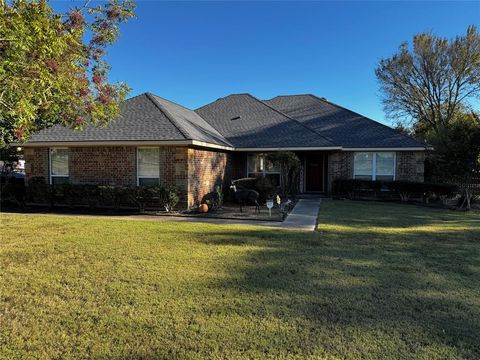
<point x="433" y="88"/>
<point x="52" y="67"/>
<point x="430" y="81"/>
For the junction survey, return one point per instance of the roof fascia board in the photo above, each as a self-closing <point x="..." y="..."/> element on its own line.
<point x="123" y="143"/>
<point x="290" y="148"/>
<point x="203" y="144"/>
<point x="212" y="146"/>
<point x="389" y="149"/>
<point x="105" y="143"/>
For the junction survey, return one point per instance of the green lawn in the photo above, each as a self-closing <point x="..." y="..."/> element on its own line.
<point x="376" y="281"/>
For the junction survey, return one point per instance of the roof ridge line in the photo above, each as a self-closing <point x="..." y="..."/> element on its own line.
<point x="170" y="101"/>
<point x="221" y="98"/>
<point x="354" y="112"/>
<point x="168" y="116"/>
<point x="295" y="120"/>
<point x="179" y="127"/>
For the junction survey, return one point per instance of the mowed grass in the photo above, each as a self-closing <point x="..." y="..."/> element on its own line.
<point x="376" y="281"/>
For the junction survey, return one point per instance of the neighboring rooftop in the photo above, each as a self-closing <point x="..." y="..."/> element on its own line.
<point x="343" y="126"/>
<point x="247" y="122"/>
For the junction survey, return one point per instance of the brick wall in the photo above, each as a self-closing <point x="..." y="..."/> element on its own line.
<point x="36" y="163"/>
<point x="340" y="166"/>
<point x="105" y="165"/>
<point x="206" y="169"/>
<point x="410" y="165"/>
<point x="195" y="172"/>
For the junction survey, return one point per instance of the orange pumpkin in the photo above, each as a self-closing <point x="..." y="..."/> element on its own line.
<point x="203" y="208"/>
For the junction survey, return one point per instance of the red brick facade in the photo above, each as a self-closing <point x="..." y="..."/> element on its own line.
<point x="409" y="166"/>
<point x="36" y="163"/>
<point x="206" y="170"/>
<point x="194" y="171"/>
<point x="106" y="165"/>
<point x="340" y="166"/>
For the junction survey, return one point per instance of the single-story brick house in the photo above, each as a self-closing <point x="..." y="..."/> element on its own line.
<point x="158" y="141"/>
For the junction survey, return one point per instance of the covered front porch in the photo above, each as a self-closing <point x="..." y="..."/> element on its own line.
<point x="314" y="170"/>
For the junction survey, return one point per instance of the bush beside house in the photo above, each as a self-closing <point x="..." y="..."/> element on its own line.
<point x="38" y="192"/>
<point x="403" y="191"/>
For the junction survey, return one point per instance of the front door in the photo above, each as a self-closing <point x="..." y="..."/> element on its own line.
<point x="314" y="173"/>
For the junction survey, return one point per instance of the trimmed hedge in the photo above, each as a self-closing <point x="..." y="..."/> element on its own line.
<point x="100" y="196"/>
<point x="406" y="190"/>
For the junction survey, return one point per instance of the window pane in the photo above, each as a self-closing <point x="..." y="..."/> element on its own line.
<point x="59" y="162"/>
<point x="59" y="180"/>
<point x="148" y="181"/>
<point x="385" y="164"/>
<point x="363" y="164"/>
<point x="149" y="162"/>
<point x="255" y="163"/>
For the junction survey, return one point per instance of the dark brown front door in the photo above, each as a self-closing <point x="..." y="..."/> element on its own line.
<point x="314" y="175"/>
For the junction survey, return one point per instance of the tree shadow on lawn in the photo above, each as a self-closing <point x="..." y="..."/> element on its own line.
<point x="362" y="293"/>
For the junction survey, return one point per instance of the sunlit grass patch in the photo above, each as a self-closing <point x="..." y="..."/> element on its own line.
<point x="376" y="281"/>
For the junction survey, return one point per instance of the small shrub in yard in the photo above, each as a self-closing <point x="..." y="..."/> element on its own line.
<point x="169" y="198"/>
<point x="214" y="199"/>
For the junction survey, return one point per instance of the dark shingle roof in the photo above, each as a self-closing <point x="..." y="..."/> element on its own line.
<point x="144" y="117"/>
<point x="240" y="121"/>
<point x="344" y="127"/>
<point x="247" y="122"/>
<point x="189" y="122"/>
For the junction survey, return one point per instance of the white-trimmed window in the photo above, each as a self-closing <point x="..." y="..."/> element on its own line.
<point x="258" y="165"/>
<point x="58" y="166"/>
<point x="374" y="166"/>
<point x="148" y="166"/>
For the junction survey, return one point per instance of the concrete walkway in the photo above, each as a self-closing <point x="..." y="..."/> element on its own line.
<point x="304" y="215"/>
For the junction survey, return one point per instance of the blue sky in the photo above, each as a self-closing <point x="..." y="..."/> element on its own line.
<point x="194" y="53"/>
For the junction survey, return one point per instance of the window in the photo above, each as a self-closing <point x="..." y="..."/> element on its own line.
<point x="363" y="166"/>
<point x="148" y="166"/>
<point x="58" y="166"/>
<point x="258" y="165"/>
<point x="374" y="166"/>
<point x="385" y="166"/>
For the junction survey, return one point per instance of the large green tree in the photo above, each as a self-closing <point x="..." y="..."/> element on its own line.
<point x="52" y="67"/>
<point x="433" y="86"/>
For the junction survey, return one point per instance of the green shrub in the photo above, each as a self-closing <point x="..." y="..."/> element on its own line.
<point x="101" y="196"/>
<point x="406" y="190"/>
